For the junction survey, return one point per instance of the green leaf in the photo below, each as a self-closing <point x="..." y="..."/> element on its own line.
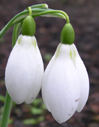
<point x="10" y="121"/>
<point x="36" y="111"/>
<point x="37" y="101"/>
<point x="40" y="119"/>
<point x="30" y="121"/>
<point x="2" y="98"/>
<point x="47" y="56"/>
<point x="43" y="107"/>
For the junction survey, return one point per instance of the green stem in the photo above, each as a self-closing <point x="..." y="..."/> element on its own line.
<point x="6" y="113"/>
<point x="8" y="100"/>
<point x="43" y="6"/>
<point x="57" y="13"/>
<point x="18" y="18"/>
<point x="35" y="12"/>
<point x="30" y="11"/>
<point x="14" y="21"/>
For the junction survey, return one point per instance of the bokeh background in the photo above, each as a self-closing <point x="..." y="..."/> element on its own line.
<point x="84" y="16"/>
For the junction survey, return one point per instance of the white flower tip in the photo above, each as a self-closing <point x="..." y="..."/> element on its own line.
<point x="82" y="103"/>
<point x="63" y="117"/>
<point x="16" y="99"/>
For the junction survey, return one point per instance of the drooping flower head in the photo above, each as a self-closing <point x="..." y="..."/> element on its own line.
<point x="65" y="86"/>
<point x="24" y="70"/>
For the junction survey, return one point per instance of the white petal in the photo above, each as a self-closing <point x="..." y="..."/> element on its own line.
<point x="60" y="88"/>
<point x="83" y="79"/>
<point x="47" y="71"/>
<point x="21" y="70"/>
<point x="45" y="79"/>
<point x="38" y="79"/>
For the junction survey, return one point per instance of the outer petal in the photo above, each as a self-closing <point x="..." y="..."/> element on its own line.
<point x="47" y="71"/>
<point x="83" y="80"/>
<point x="38" y="77"/>
<point x="60" y="88"/>
<point x="21" y="70"/>
<point x="49" y="67"/>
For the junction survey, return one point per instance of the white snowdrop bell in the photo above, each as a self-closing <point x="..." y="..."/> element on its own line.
<point x="65" y="86"/>
<point x="24" y="70"/>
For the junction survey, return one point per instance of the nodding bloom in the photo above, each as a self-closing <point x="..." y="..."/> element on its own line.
<point x="65" y="86"/>
<point x="24" y="70"/>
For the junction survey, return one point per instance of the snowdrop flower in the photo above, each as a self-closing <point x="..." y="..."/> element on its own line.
<point x="65" y="86"/>
<point x="24" y="70"/>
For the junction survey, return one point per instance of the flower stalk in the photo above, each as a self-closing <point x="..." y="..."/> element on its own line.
<point x="7" y="109"/>
<point x="36" y="11"/>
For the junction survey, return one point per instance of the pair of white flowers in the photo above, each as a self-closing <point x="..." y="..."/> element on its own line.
<point x="65" y="82"/>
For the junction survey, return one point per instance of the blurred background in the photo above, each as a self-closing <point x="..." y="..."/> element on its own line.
<point x="84" y="16"/>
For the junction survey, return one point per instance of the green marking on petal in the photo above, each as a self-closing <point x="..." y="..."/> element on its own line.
<point x="58" y="51"/>
<point x="73" y="56"/>
<point x="19" y="40"/>
<point x="34" y="42"/>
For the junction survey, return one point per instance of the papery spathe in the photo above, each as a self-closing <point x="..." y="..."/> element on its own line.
<point x="65" y="86"/>
<point x="24" y="70"/>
